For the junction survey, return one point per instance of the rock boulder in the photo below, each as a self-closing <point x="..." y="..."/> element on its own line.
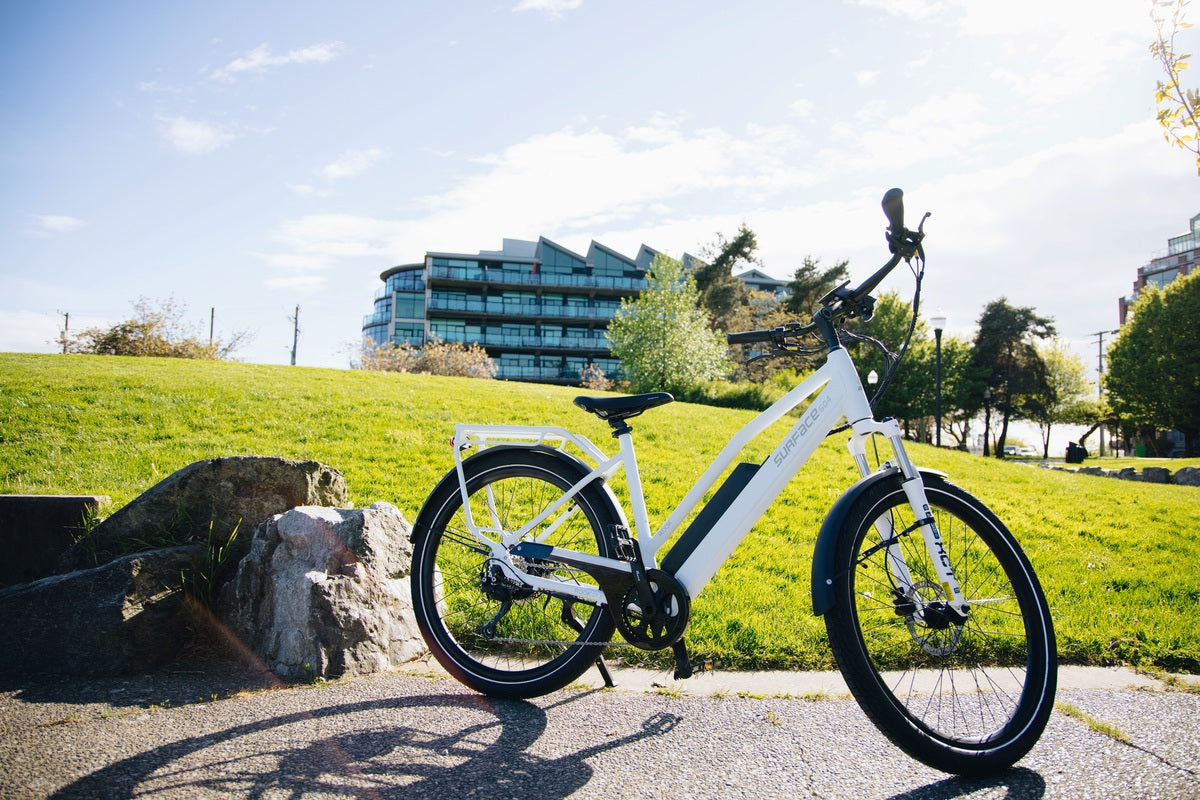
<point x="324" y="592"/>
<point x="206" y="502"/>
<point x="125" y="616"/>
<point x="1188" y="476"/>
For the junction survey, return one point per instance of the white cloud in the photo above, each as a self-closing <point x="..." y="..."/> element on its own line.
<point x="552" y="8"/>
<point x="802" y="108"/>
<point x="193" y="136"/>
<point x="29" y="332"/>
<point x="260" y="59"/>
<point x="24" y="331"/>
<point x="56" y="223"/>
<point x="298" y="283"/>
<point x="866" y="77"/>
<point x="306" y="190"/>
<point x="1025" y="228"/>
<point x="912" y="9"/>
<point x="154" y="87"/>
<point x="351" y="163"/>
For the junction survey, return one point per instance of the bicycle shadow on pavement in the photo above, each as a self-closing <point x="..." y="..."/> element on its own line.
<point x="442" y="746"/>
<point x="1021" y="783"/>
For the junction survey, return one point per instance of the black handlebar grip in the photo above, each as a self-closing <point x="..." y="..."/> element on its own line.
<point x="893" y="208"/>
<point x="748" y="337"/>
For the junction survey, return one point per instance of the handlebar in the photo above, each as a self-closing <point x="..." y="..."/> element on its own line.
<point x="903" y="243"/>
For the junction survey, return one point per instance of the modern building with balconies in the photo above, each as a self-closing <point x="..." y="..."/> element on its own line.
<point x="538" y="309"/>
<point x="1181" y="258"/>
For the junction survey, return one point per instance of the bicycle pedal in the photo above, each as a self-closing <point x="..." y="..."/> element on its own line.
<point x="624" y="546"/>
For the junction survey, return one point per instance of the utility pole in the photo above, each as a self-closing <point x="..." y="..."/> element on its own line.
<point x="66" y="329"/>
<point x="1100" y="374"/>
<point x="295" y="333"/>
<point x="212" y="318"/>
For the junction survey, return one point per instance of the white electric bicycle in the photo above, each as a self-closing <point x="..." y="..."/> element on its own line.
<point x="525" y="562"/>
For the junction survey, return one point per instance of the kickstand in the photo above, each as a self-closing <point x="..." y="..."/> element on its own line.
<point x="683" y="665"/>
<point x="568" y="617"/>
<point x="604" y="673"/>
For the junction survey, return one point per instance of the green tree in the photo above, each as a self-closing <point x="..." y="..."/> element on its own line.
<point x="1178" y="108"/>
<point x="154" y="330"/>
<point x="962" y="389"/>
<point x="1007" y="360"/>
<point x="721" y="294"/>
<point x="1068" y="398"/>
<point x="1154" y="365"/>
<point x="810" y="283"/>
<point x="910" y="395"/>
<point x="663" y="338"/>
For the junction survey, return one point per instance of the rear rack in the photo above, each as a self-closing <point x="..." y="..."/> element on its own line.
<point x="484" y="436"/>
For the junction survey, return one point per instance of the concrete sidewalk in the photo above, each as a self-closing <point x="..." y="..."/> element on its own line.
<point x="813" y="685"/>
<point x="200" y="733"/>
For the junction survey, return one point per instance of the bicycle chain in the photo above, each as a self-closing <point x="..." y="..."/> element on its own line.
<point x="551" y="641"/>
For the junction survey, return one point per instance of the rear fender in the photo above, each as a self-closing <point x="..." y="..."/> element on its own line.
<point x="570" y="467"/>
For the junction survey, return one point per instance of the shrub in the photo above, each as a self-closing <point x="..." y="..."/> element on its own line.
<point x="593" y="378"/>
<point x="434" y="358"/>
<point x="154" y="331"/>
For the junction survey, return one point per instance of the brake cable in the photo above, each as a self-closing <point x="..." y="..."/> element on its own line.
<point x="892" y="359"/>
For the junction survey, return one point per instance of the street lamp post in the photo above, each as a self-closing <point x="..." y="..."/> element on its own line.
<point x="939" y="324"/>
<point x="987" y="418"/>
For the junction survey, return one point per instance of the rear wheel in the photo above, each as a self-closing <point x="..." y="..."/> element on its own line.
<point x="495" y="634"/>
<point x="965" y="695"/>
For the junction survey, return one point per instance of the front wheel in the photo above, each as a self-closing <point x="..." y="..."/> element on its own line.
<point x="968" y="695"/>
<point x="496" y="635"/>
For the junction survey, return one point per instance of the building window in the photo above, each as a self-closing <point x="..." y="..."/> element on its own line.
<point x="555" y="261"/>
<point x="1161" y="279"/>
<point x="410" y="334"/>
<point x="410" y="305"/>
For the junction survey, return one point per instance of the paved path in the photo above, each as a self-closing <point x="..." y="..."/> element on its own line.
<point x="403" y="735"/>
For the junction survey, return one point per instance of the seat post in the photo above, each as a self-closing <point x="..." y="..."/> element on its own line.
<point x="620" y="428"/>
<point x="641" y="519"/>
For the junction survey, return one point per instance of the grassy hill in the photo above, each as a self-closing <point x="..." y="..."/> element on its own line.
<point x="1120" y="561"/>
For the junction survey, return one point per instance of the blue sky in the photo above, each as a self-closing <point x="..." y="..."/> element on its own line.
<point x="254" y="157"/>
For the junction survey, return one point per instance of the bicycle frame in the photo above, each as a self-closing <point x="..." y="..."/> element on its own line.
<point x="736" y="506"/>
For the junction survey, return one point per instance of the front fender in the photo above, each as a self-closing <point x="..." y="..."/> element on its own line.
<point x="824" y="564"/>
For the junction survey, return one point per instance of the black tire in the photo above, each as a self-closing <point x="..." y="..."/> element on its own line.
<point x="448" y="565"/>
<point x="969" y="699"/>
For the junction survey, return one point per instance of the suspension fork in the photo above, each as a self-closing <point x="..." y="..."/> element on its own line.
<point x="914" y="491"/>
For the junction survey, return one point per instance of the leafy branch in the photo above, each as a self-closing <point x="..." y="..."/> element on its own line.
<point x="1178" y="108"/>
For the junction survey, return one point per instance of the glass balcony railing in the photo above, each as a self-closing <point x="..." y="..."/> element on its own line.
<point x="489" y="339"/>
<point x="500" y="308"/>
<point x="514" y="372"/>
<point x="514" y="278"/>
<point x="511" y="372"/>
<point x="377" y="319"/>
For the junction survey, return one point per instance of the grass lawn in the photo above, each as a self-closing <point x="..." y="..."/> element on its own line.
<point x="1120" y="560"/>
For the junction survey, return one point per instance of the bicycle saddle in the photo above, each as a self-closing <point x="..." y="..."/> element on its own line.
<point x="614" y="409"/>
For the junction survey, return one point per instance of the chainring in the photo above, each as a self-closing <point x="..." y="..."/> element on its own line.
<point x="660" y="626"/>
